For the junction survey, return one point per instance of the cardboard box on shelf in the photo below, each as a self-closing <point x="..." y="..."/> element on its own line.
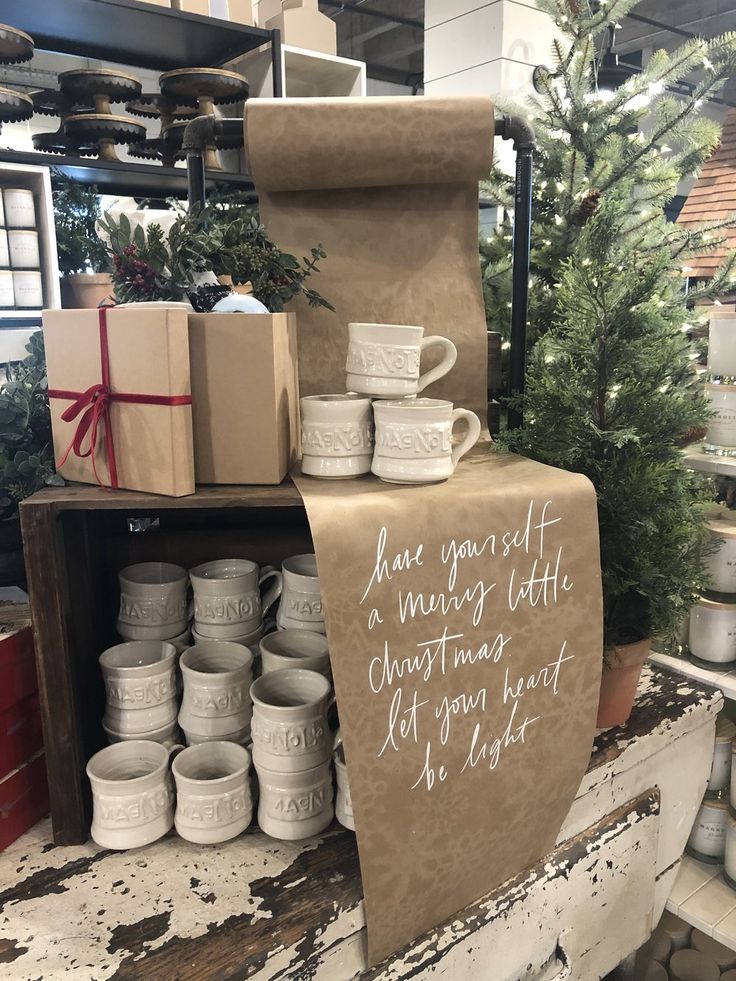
<point x="159" y="3"/>
<point x="245" y="397"/>
<point x="120" y="397"/>
<point x="237" y="11"/>
<point x="303" y="25"/>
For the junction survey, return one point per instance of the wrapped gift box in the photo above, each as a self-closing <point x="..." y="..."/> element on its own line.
<point x="120" y="397"/>
<point x="245" y="396"/>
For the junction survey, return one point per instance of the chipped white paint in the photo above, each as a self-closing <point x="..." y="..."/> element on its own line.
<point x="615" y="876"/>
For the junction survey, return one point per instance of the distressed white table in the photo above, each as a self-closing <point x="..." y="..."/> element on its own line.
<point x="262" y="909"/>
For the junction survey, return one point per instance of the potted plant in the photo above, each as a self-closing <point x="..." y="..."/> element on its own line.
<point x="26" y="451"/>
<point x="83" y="260"/>
<point x="610" y="386"/>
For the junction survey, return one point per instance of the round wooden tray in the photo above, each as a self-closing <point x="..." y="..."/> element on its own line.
<point x="15" y="45"/>
<point x="14" y="107"/>
<point x="99" y="126"/>
<point x="154" y="105"/>
<point x="86" y="83"/>
<point x="59" y="142"/>
<point x="217" y="84"/>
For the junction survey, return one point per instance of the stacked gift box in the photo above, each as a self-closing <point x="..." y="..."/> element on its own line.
<point x="23" y="787"/>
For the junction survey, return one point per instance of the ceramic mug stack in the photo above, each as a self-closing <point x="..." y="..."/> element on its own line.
<point x="153" y="603"/>
<point x="227" y="600"/>
<point x="292" y="747"/>
<point x="412" y="442"/>
<point x="141" y="690"/>
<point x="216" y="704"/>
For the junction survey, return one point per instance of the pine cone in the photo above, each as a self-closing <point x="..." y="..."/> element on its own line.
<point x="587" y="208"/>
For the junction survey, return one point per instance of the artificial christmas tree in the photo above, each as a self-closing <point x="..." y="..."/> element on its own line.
<point x="610" y="389"/>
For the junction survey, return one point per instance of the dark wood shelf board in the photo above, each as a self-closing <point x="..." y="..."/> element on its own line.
<point x="124" y="177"/>
<point x="127" y="32"/>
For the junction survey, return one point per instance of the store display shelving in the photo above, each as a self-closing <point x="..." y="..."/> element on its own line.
<point x="725" y="680"/>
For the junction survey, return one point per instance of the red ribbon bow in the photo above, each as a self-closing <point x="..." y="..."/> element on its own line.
<point x="93" y="407"/>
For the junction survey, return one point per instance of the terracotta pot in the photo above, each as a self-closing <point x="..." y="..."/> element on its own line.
<point x="618" y="682"/>
<point x="85" y="291"/>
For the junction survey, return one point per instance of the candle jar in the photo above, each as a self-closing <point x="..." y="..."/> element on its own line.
<point x="23" y="248"/>
<point x="712" y="635"/>
<point x="720" y="774"/>
<point x="707" y="841"/>
<point x="722" y="346"/>
<point x="720" y="439"/>
<point x="7" y="293"/>
<point x="19" y="207"/>
<point x="28" y="289"/>
<point x="721" y="563"/>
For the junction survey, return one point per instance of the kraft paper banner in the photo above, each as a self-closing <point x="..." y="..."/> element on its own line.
<point x="389" y="187"/>
<point x="465" y="630"/>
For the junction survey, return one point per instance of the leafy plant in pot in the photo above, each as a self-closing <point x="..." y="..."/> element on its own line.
<point x="83" y="259"/>
<point x="610" y="388"/>
<point x="26" y="451"/>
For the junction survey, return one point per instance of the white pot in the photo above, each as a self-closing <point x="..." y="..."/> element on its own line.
<point x="721" y="564"/>
<point x="721" y="435"/>
<point x="712" y="635"/>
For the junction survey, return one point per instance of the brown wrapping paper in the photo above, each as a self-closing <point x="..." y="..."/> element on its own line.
<point x="389" y="186"/>
<point x="149" y="354"/>
<point x="461" y="769"/>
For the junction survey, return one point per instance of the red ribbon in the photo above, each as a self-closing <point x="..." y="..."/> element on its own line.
<point x="94" y="407"/>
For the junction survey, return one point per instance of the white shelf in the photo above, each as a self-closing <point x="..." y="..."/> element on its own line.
<point x="707" y="462"/>
<point x="725" y="680"/>
<point x="306" y="74"/>
<point x="702" y="898"/>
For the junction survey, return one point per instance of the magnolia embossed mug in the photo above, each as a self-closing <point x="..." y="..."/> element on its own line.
<point x="247" y="640"/>
<point x="289" y="728"/>
<point x="301" y="599"/>
<point x="292" y="806"/>
<point x="216" y="703"/>
<point x="383" y="359"/>
<point x="213" y="798"/>
<point x="295" y="649"/>
<point x="132" y="795"/>
<point x="153" y="601"/>
<point x="337" y="435"/>
<point x="227" y="597"/>
<point x="414" y="440"/>
<point x="140" y="688"/>
<point x="343" y="804"/>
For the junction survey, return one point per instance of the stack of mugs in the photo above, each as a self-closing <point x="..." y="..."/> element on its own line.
<point x="712" y="633"/>
<point x="141" y="690"/>
<point x="708" y="838"/>
<point x="153" y="603"/>
<point x="227" y="600"/>
<point x="20" y="257"/>
<point x="720" y="387"/>
<point x="400" y="438"/>
<point x="215" y="705"/>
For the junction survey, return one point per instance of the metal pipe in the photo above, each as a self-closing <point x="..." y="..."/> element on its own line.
<point x="518" y="130"/>
<point x="200" y="133"/>
<point x="277" y="74"/>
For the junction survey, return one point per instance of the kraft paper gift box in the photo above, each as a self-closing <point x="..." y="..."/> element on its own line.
<point x="302" y="24"/>
<point x="245" y="396"/>
<point x="120" y="397"/>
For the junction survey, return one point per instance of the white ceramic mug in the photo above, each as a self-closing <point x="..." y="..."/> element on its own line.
<point x="216" y="703"/>
<point x="153" y="601"/>
<point x="140" y="687"/>
<point x="295" y="649"/>
<point x="213" y="799"/>
<point x="23" y="248"/>
<point x="293" y="806"/>
<point x="19" y="207"/>
<point x="712" y="634"/>
<point x="289" y="728"/>
<point x="246" y="640"/>
<point x="168" y="735"/>
<point x="301" y="600"/>
<point x="383" y="359"/>
<point x="414" y="440"/>
<point x="132" y="795"/>
<point x="343" y="804"/>
<point x="337" y="435"/>
<point x="227" y="597"/>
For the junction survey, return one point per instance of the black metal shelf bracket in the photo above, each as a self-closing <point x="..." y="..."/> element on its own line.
<point x="521" y="133"/>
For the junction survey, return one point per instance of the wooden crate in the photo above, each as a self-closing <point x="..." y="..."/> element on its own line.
<point x="76" y="538"/>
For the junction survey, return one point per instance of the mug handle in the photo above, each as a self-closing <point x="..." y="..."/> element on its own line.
<point x="445" y="365"/>
<point x="471" y="437"/>
<point x="274" y="592"/>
